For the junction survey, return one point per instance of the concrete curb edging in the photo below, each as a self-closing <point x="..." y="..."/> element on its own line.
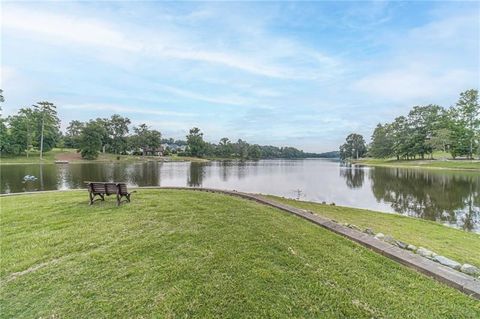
<point x="460" y="281"/>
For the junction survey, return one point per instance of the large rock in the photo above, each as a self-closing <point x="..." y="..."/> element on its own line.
<point x="401" y="244"/>
<point x="424" y="252"/>
<point x="470" y="269"/>
<point x="389" y="239"/>
<point x="352" y="226"/>
<point x="448" y="262"/>
<point x="412" y="247"/>
<point x="369" y="231"/>
<point x="379" y="236"/>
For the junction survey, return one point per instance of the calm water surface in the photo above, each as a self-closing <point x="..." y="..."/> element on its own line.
<point x="449" y="197"/>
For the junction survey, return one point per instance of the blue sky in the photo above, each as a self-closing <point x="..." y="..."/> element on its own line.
<point x="303" y="74"/>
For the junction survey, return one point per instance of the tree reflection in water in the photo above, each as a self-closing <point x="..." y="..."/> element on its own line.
<point x="428" y="194"/>
<point x="354" y="175"/>
<point x="196" y="174"/>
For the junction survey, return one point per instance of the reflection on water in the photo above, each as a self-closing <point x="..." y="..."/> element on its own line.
<point x="451" y="198"/>
<point x="443" y="196"/>
<point x="354" y="175"/>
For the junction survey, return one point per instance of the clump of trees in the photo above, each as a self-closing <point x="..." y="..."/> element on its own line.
<point x="354" y="147"/>
<point x="196" y="146"/>
<point x="110" y="135"/>
<point x="431" y="128"/>
<point x="426" y="129"/>
<point x="36" y="127"/>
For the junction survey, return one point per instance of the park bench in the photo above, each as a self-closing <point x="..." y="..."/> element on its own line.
<point x="101" y="189"/>
<point x="122" y="191"/>
<point x="96" y="189"/>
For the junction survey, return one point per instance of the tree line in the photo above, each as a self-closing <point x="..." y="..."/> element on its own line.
<point x="37" y="128"/>
<point x="424" y="130"/>
<point x="225" y="148"/>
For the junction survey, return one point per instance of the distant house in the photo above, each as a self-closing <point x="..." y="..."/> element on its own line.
<point x="174" y="147"/>
<point x="152" y="151"/>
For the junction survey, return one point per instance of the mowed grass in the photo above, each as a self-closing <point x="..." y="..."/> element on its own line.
<point x="426" y="163"/>
<point x="34" y="157"/>
<point x="453" y="243"/>
<point x="72" y="156"/>
<point x="442" y="160"/>
<point x="173" y="253"/>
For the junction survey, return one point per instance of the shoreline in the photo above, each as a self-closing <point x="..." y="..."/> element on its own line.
<point x="471" y="165"/>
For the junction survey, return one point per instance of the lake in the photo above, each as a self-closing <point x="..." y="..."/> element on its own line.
<point x="448" y="197"/>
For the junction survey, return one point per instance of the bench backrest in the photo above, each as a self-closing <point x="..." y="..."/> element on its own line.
<point x="122" y="188"/>
<point x="110" y="188"/>
<point x="97" y="188"/>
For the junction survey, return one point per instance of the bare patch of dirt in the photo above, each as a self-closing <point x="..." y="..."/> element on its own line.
<point x="68" y="156"/>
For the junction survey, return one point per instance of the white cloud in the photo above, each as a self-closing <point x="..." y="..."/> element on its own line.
<point x="431" y="63"/>
<point x="123" y="109"/>
<point x="229" y="100"/>
<point x="450" y="30"/>
<point x="177" y="45"/>
<point x="16" y="86"/>
<point x="411" y="83"/>
<point x="67" y="28"/>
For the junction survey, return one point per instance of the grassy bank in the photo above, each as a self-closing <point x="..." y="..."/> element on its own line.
<point x="72" y="156"/>
<point x="440" y="164"/>
<point x="441" y="160"/>
<point x="456" y="244"/>
<point x="190" y="254"/>
<point x="34" y="157"/>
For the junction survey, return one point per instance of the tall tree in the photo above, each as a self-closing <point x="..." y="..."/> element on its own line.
<point x="402" y="138"/>
<point x="466" y="122"/>
<point x="422" y="122"/>
<point x="225" y="147"/>
<point x="4" y="137"/>
<point x="382" y="142"/>
<point x="354" y="147"/>
<point x="254" y="152"/>
<point x="74" y="132"/>
<point x="241" y="149"/>
<point x="195" y="142"/>
<point x="21" y="132"/>
<point x="48" y="125"/>
<point x="118" y="130"/>
<point x="91" y="139"/>
<point x="106" y="137"/>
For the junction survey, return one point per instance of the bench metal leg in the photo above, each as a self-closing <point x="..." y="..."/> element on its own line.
<point x="93" y="199"/>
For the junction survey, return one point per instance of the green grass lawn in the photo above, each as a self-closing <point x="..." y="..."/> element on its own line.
<point x="442" y="160"/>
<point x="59" y="154"/>
<point x="457" y="244"/>
<point x="34" y="157"/>
<point x="448" y="164"/>
<point x="174" y="253"/>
